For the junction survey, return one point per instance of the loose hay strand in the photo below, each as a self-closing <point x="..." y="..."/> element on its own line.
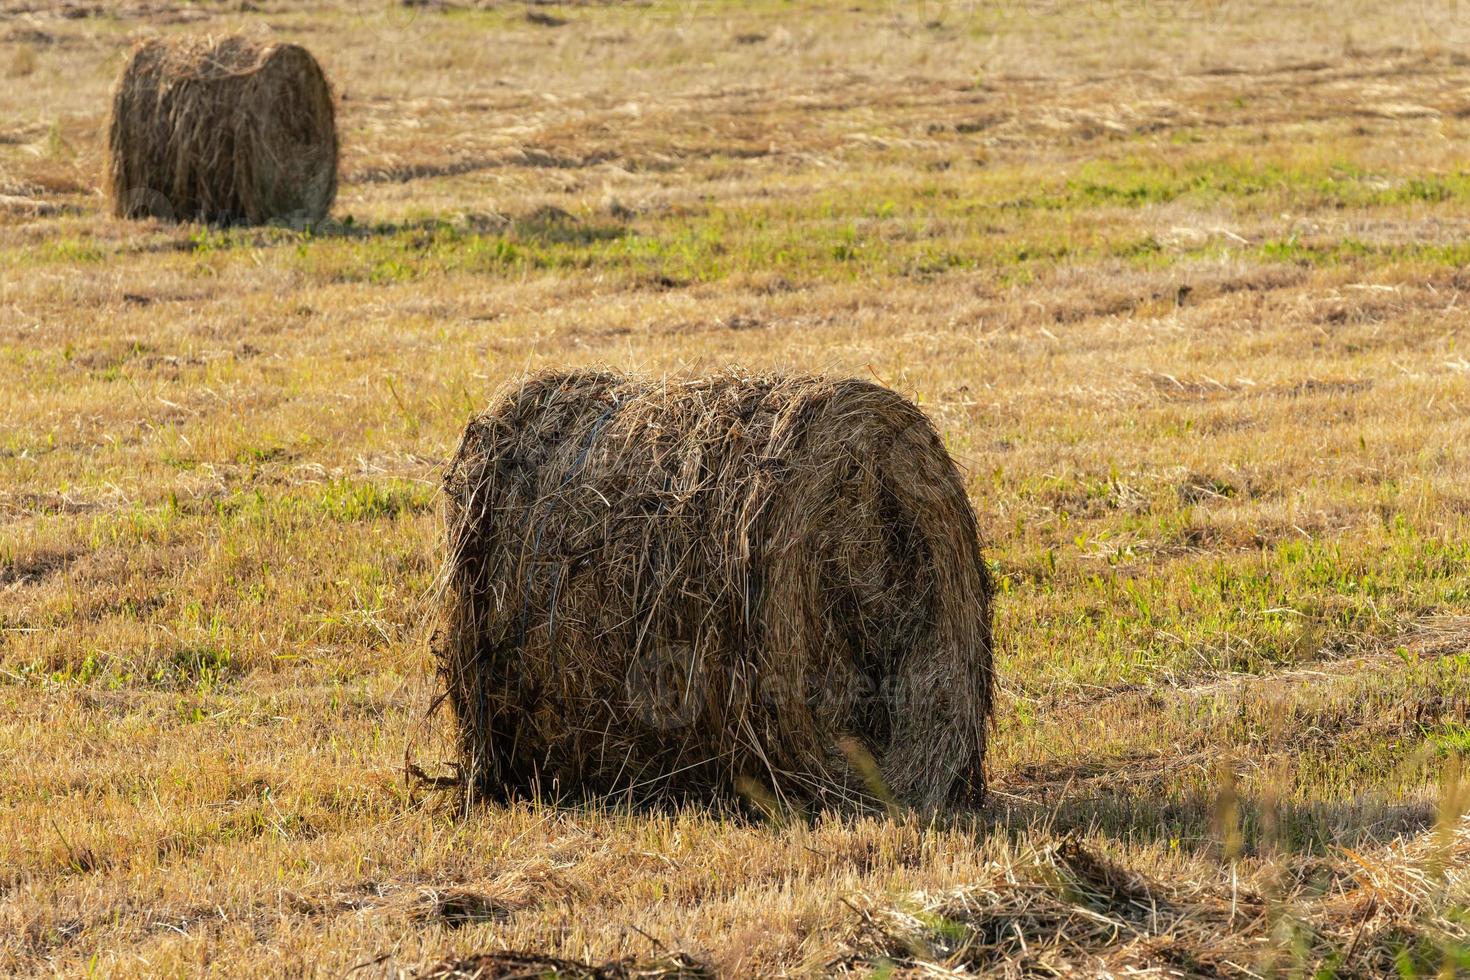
<point x="681" y="587"/>
<point x="222" y="129"/>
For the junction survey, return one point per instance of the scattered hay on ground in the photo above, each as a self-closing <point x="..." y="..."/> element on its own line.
<point x="32" y="207"/>
<point x="1062" y="910"/>
<point x="534" y="966"/>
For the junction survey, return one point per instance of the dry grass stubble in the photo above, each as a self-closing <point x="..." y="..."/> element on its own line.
<point x="1184" y="298"/>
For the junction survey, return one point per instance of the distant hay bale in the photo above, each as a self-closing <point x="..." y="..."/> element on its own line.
<point x="225" y="130"/>
<point x="761" y="585"/>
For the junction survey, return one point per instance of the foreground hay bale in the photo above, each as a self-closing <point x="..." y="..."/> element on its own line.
<point x="224" y="130"/>
<point x="767" y="585"/>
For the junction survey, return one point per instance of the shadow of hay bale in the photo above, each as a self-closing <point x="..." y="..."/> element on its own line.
<point x="737" y="585"/>
<point x="224" y="130"/>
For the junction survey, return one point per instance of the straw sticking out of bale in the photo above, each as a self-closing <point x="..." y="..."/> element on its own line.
<point x="765" y="585"/>
<point x="225" y="130"/>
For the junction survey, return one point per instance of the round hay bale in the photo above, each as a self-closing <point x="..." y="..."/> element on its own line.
<point x="225" y="130"/>
<point x="770" y="586"/>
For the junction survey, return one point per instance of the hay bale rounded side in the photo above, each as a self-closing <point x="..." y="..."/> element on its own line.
<point x="225" y="130"/>
<point x="760" y="585"/>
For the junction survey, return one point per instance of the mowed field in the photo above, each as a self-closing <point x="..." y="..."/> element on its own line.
<point x="1183" y="285"/>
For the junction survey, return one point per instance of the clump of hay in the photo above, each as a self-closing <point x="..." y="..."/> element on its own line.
<point x="1061" y="909"/>
<point x="522" y="966"/>
<point x="225" y="130"/>
<point x="761" y="585"/>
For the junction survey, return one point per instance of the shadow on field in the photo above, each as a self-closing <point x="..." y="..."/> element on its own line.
<point x="547" y="224"/>
<point x="1136" y="808"/>
<point x="544" y="226"/>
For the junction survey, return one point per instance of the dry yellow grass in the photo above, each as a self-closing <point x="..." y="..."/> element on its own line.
<point x="1181" y="284"/>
